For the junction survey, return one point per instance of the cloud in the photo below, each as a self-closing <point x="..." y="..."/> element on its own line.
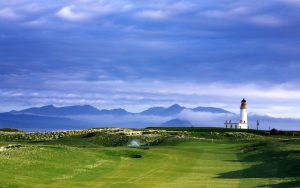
<point x="246" y="14"/>
<point x="9" y="14"/>
<point x="69" y="13"/>
<point x="164" y="11"/>
<point x="136" y="95"/>
<point x="136" y="55"/>
<point x="152" y="14"/>
<point x="131" y="120"/>
<point x="290" y="2"/>
<point x="205" y="117"/>
<point x="231" y="13"/>
<point x="90" y="10"/>
<point x="266" y="20"/>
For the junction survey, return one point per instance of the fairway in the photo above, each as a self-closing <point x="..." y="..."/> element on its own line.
<point x="192" y="163"/>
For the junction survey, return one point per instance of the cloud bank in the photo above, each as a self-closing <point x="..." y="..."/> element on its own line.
<point x="136" y="54"/>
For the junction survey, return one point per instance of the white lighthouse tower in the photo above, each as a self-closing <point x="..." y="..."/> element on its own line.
<point x="243" y="114"/>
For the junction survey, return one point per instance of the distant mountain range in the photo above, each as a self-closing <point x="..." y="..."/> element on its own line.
<point x="176" y="109"/>
<point x="71" y="117"/>
<point x="51" y="110"/>
<point x="50" y="117"/>
<point x="38" y="123"/>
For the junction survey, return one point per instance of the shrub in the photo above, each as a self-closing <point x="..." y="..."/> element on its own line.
<point x="274" y="131"/>
<point x="10" y="130"/>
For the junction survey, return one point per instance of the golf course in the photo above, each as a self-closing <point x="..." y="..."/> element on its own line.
<point x="165" y="158"/>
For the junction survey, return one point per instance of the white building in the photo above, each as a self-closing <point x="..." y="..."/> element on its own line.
<point x="243" y="124"/>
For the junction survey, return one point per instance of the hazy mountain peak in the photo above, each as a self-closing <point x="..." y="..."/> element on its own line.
<point x="49" y="106"/>
<point x="175" y="109"/>
<point x="175" y="106"/>
<point x="116" y="112"/>
<point x="210" y="109"/>
<point x="163" y="111"/>
<point x="177" y="122"/>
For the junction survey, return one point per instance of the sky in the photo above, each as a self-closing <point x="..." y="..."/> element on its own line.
<point x="138" y="54"/>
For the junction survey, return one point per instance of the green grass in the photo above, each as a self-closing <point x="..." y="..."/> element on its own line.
<point x="186" y="163"/>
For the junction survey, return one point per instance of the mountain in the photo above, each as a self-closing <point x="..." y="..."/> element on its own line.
<point x="177" y="122"/>
<point x="156" y="111"/>
<point x="51" y="110"/>
<point x="117" y="112"/>
<point x="78" y="117"/>
<point x="162" y="111"/>
<point x="31" y="122"/>
<point x="211" y="110"/>
<point x="176" y="109"/>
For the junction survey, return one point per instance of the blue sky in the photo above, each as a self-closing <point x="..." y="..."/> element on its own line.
<point x="137" y="54"/>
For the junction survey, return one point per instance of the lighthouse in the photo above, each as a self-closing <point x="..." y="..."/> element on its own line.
<point x="243" y="124"/>
<point x="243" y="115"/>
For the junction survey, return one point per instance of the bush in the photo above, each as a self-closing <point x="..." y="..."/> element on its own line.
<point x="108" y="140"/>
<point x="88" y="135"/>
<point x="277" y="132"/>
<point x="10" y="130"/>
<point x="274" y="132"/>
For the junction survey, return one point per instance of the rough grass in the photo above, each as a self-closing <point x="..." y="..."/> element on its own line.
<point x="174" y="163"/>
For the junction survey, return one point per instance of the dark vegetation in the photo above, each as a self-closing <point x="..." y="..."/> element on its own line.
<point x="162" y="135"/>
<point x="32" y="137"/>
<point x="10" y="130"/>
<point x="206" y="129"/>
<point x="285" y="133"/>
<point x="106" y="139"/>
<point x="224" y="130"/>
<point x="273" y="158"/>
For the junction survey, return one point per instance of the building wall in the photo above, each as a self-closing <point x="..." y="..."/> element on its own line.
<point x="243" y="119"/>
<point x="243" y="116"/>
<point x="243" y="126"/>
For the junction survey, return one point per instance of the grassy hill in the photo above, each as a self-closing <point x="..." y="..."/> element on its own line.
<point x="101" y="158"/>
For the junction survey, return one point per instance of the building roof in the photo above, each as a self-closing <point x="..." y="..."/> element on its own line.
<point x="243" y="104"/>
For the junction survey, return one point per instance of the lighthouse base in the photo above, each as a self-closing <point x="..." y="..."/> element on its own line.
<point x="243" y="125"/>
<point x="232" y="125"/>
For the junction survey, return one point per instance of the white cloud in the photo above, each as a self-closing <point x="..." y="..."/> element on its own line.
<point x="203" y="116"/>
<point x="88" y="10"/>
<point x="103" y="8"/>
<point x="237" y="13"/>
<point x="136" y="95"/>
<point x="9" y="14"/>
<point x="181" y="7"/>
<point x="17" y="94"/>
<point x="164" y="11"/>
<point x="69" y="13"/>
<point x="134" y="120"/>
<point x="291" y="2"/>
<point x="206" y="118"/>
<point x="257" y="14"/>
<point x="152" y="14"/>
<point x="267" y="20"/>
